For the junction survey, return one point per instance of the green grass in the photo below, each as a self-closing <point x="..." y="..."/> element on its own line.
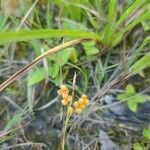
<point x="44" y="34"/>
<point x="101" y="65"/>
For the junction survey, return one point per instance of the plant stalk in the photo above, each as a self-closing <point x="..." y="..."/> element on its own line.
<point x="38" y="59"/>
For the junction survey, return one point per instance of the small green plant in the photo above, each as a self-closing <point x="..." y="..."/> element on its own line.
<point x="138" y="146"/>
<point x="146" y="133"/>
<point x="90" y="48"/>
<point x="55" y="62"/>
<point x="60" y="60"/>
<point x="133" y="99"/>
<point x="78" y="106"/>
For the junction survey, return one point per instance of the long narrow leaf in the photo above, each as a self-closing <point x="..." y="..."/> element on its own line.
<point x="111" y="10"/>
<point x="144" y="16"/>
<point x="110" y="19"/>
<point x="130" y="10"/>
<point x="44" y="33"/>
<point x="118" y="36"/>
<point x="143" y="63"/>
<point x="137" y="53"/>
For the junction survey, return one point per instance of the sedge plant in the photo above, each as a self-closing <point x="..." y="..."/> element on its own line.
<point x="72" y="107"/>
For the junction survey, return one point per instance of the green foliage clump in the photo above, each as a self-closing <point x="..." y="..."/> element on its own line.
<point x="133" y="99"/>
<point x="146" y="133"/>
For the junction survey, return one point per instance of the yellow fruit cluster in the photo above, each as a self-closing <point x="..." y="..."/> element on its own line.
<point x="64" y="92"/>
<point x="78" y="106"/>
<point x="81" y="104"/>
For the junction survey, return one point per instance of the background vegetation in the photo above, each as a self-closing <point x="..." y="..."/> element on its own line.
<point x="109" y="53"/>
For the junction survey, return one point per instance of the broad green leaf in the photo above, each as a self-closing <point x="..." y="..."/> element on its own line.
<point x="73" y="56"/>
<point x="44" y="33"/>
<point x="137" y="146"/>
<point x="86" y="44"/>
<point x="139" y="99"/>
<point x="130" y="90"/>
<point x="89" y="50"/>
<point x="63" y="56"/>
<point x="141" y="64"/>
<point x="132" y="98"/>
<point x="132" y="105"/>
<point x="53" y="70"/>
<point x="146" y="26"/>
<point x="58" y="78"/>
<point x="37" y="76"/>
<point x="60" y="58"/>
<point x="40" y="74"/>
<point x="122" y="97"/>
<point x="146" y="133"/>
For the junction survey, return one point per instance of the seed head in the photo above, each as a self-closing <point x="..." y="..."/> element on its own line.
<point x="76" y="104"/>
<point x="84" y="96"/>
<point x="81" y="101"/>
<point x="82" y="106"/>
<point x="63" y="91"/>
<point x="86" y="102"/>
<point x="64" y="102"/>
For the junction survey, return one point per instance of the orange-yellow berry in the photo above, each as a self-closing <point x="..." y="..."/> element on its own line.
<point x="63" y="91"/>
<point x="84" y="96"/>
<point x="82" y="106"/>
<point x="70" y="110"/>
<point x="69" y="98"/>
<point x="76" y="104"/>
<point x="59" y="92"/>
<point x="86" y="101"/>
<point x="81" y="101"/>
<point x="64" y="102"/>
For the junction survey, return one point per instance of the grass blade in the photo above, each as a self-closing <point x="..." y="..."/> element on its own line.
<point x="111" y="13"/>
<point x="44" y="33"/>
<point x="118" y="37"/>
<point x="141" y="64"/>
<point x="38" y="59"/>
<point x="130" y="10"/>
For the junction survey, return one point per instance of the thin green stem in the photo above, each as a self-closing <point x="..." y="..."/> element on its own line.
<point x="64" y="129"/>
<point x="68" y="114"/>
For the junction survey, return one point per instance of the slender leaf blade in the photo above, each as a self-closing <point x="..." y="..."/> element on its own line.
<point x="111" y="14"/>
<point x="129" y="11"/>
<point x="141" y="64"/>
<point x="44" y="33"/>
